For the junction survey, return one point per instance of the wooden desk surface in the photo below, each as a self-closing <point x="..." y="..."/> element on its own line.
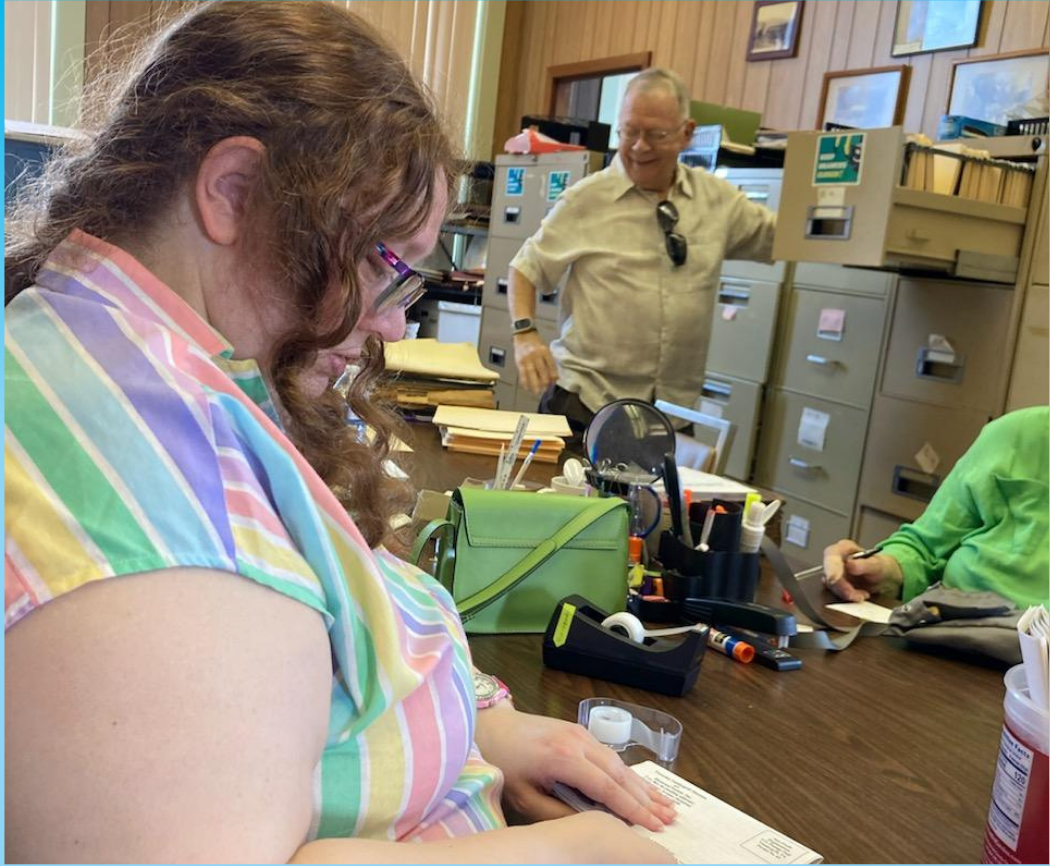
<point x="878" y="754"/>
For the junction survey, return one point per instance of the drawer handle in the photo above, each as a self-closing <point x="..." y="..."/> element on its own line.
<point x="914" y="484"/>
<point x="716" y="390"/>
<point x="552" y="298"/>
<point x="822" y="361"/>
<point x="799" y="463"/>
<point x="915" y="236"/>
<point x="497" y="356"/>
<point x="933" y="364"/>
<point x="734" y="296"/>
<point x="501" y="287"/>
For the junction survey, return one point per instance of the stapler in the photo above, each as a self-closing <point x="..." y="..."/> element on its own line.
<point x="741" y="614"/>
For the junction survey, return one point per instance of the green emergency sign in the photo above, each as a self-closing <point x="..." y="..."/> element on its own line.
<point x="839" y="159"/>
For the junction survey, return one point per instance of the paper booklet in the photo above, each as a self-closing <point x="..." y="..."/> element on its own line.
<point x="706" y="829"/>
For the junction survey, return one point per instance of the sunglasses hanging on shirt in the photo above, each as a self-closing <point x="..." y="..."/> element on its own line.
<point x="667" y="217"/>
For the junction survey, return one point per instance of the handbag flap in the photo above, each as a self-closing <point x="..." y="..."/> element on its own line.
<point x="506" y="518"/>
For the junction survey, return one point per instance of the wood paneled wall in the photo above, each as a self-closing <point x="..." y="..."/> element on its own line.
<point x="705" y="41"/>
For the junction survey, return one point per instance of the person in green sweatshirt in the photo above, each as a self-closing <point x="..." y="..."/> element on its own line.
<point x="986" y="527"/>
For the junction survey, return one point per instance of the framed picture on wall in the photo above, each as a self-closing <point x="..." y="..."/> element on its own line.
<point x="1000" y="88"/>
<point x="935" y="25"/>
<point x="864" y="98"/>
<point x="775" y="26"/>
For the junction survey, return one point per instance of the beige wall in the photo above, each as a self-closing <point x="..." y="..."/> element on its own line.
<point x="705" y="41"/>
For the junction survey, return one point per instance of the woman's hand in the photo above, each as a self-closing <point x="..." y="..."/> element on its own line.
<point x="534" y="752"/>
<point x="858" y="579"/>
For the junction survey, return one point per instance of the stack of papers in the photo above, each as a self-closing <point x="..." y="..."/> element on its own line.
<point x="487" y="431"/>
<point x="704" y="485"/>
<point x="431" y="374"/>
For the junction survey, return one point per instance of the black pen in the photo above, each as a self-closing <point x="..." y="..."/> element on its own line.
<point x="818" y="569"/>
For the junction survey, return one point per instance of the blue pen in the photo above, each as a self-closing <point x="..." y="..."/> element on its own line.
<point x="525" y="463"/>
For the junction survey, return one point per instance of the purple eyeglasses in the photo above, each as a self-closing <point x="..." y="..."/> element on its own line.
<point x="404" y="289"/>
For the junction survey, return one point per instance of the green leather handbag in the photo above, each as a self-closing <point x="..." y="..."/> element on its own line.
<point x="509" y="557"/>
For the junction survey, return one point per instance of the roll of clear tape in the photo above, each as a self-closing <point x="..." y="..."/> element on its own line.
<point x="610" y="725"/>
<point x="629" y="624"/>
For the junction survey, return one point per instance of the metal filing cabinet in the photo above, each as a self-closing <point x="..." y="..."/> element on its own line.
<point x="525" y="189"/>
<point x="743" y="332"/>
<point x="806" y="529"/>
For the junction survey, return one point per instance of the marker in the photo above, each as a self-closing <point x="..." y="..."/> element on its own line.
<point x="819" y="569"/>
<point x="730" y="646"/>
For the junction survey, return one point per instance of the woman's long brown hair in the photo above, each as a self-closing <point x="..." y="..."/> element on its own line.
<point x="354" y="153"/>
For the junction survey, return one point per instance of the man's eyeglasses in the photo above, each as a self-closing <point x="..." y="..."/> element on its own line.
<point x="630" y="135"/>
<point x="667" y="217"/>
<point x="404" y="289"/>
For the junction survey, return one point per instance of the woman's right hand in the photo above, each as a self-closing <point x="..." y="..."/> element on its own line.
<point x="598" y="837"/>
<point x="858" y="579"/>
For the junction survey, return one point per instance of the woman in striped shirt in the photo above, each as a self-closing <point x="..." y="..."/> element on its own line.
<point x="209" y="654"/>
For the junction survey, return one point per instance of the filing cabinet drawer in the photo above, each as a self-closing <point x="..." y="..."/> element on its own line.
<point x="495" y="292"/>
<point x="742" y="329"/>
<point x="821" y="472"/>
<point x="974" y="318"/>
<point x="841" y="278"/>
<point x="839" y="360"/>
<point x="505" y="394"/>
<point x="894" y="479"/>
<point x="874" y="527"/>
<point x="1028" y="379"/>
<point x="805" y="530"/>
<point x="495" y="344"/>
<point x="737" y="401"/>
<point x="497" y="265"/>
<point x="744" y="270"/>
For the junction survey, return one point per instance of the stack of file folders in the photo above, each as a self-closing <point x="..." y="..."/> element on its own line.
<point x="428" y="374"/>
<point x="490" y="431"/>
<point x="951" y="169"/>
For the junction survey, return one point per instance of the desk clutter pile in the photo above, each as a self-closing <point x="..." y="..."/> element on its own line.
<point x="492" y="432"/>
<point x="428" y="374"/>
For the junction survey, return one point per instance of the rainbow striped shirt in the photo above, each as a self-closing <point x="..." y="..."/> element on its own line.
<point x="134" y="442"/>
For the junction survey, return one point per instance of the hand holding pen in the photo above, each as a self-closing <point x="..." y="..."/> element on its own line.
<point x="855" y="574"/>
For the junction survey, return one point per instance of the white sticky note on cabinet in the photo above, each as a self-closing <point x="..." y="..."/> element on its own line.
<point x="831" y="324"/>
<point x="927" y="458"/>
<point x="940" y="350"/>
<point x="797" y="531"/>
<point x="729" y="311"/>
<point x="710" y="407"/>
<point x="813" y="428"/>
<point x="831" y="196"/>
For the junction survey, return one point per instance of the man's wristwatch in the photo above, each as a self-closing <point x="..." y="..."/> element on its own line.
<point x="488" y="690"/>
<point x="523" y="326"/>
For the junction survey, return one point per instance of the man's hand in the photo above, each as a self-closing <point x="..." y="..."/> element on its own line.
<point x="534" y="752"/>
<point x="858" y="579"/>
<point x="536" y="367"/>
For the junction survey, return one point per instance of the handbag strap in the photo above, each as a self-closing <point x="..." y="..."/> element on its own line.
<point x="473" y="604"/>
<point x="427" y="533"/>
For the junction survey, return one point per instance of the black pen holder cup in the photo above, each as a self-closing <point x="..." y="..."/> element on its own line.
<point x="725" y="529"/>
<point x="688" y="573"/>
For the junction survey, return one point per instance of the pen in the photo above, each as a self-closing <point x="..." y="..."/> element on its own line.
<point x="818" y="569"/>
<point x="512" y="450"/>
<point x="525" y="464"/>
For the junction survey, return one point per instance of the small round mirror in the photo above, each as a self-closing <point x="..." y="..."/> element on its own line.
<point x="632" y="436"/>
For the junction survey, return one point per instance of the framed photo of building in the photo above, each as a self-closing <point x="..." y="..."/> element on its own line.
<point x="935" y="25"/>
<point x="864" y="98"/>
<point x="775" y="25"/>
<point x="999" y="88"/>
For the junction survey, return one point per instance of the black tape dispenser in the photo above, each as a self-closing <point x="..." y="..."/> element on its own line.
<point x="621" y="651"/>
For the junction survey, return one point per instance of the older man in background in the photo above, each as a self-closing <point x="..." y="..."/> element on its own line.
<point x="643" y="242"/>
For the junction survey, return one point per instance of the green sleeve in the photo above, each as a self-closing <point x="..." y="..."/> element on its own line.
<point x="922" y="548"/>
